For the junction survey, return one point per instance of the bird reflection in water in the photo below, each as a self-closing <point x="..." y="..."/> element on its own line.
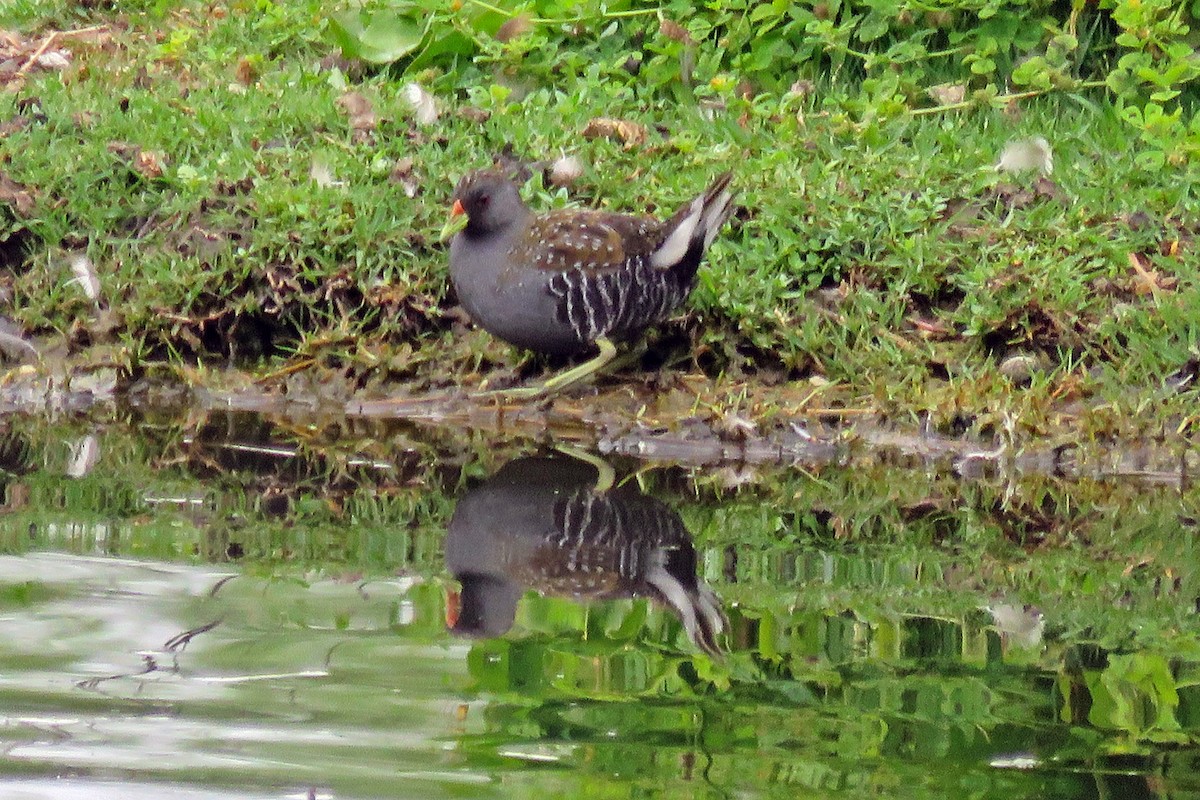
<point x="557" y="525"/>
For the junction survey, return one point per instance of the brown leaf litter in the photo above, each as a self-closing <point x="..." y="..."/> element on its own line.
<point x="21" y="56"/>
<point x="361" y="115"/>
<point x="403" y="173"/>
<point x="631" y="134"/>
<point x="16" y="196"/>
<point x="147" y="163"/>
<point x="514" y="27"/>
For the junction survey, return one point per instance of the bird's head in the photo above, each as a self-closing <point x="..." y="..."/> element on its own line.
<point x="484" y="202"/>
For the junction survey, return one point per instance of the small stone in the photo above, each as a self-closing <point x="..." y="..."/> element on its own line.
<point x="1019" y="368"/>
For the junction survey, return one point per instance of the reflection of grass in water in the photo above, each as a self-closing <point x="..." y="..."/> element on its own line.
<point x="860" y="592"/>
<point x="950" y="695"/>
<point x="870" y="732"/>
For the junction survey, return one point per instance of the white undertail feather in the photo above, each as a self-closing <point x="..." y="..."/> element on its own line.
<point x="703" y="222"/>
<point x="702" y="616"/>
<point x="673" y="248"/>
<point x="715" y="217"/>
<point x="709" y="606"/>
<point x="674" y="593"/>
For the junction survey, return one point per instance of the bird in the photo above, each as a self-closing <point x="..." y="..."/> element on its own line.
<point x="564" y="281"/>
<point x="554" y="524"/>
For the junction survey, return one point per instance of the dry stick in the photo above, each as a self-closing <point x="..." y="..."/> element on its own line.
<point x="1147" y="278"/>
<point x="81" y="31"/>
<point x="288" y="370"/>
<point x="37" y="53"/>
<point x="1003" y="98"/>
<point x="29" y="62"/>
<point x="837" y="412"/>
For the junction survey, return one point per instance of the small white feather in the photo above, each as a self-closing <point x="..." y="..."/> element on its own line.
<point x="322" y="173"/>
<point x="54" y="59"/>
<point x="1020" y="155"/>
<point x="565" y="170"/>
<point x="423" y="104"/>
<point x="85" y="453"/>
<point x="85" y="275"/>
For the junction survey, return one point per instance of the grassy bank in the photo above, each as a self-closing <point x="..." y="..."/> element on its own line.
<point x="243" y="192"/>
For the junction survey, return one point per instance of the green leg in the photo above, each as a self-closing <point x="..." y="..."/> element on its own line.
<point x="562" y="381"/>
<point x="606" y="476"/>
<point x="631" y="355"/>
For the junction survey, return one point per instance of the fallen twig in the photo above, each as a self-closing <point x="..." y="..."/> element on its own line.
<point x="29" y="62"/>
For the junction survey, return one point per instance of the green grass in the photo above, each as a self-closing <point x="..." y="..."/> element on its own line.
<point x="850" y="231"/>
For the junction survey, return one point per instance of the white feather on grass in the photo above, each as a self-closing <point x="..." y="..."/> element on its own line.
<point x="1020" y="155"/>
<point x="85" y="275"/>
<point x="322" y="173"/>
<point x="565" y="170"/>
<point x="423" y="103"/>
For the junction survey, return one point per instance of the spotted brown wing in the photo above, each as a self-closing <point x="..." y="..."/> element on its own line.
<point x="591" y="241"/>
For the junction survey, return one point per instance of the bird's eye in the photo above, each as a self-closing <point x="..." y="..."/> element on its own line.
<point x="484" y="199"/>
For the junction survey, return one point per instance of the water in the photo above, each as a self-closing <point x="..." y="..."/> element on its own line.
<point x="223" y="606"/>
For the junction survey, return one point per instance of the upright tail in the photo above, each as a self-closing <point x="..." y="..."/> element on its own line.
<point x="693" y="228"/>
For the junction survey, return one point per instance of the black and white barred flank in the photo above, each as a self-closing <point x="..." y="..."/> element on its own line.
<point x="586" y="520"/>
<point x="619" y="303"/>
<point x="605" y="545"/>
